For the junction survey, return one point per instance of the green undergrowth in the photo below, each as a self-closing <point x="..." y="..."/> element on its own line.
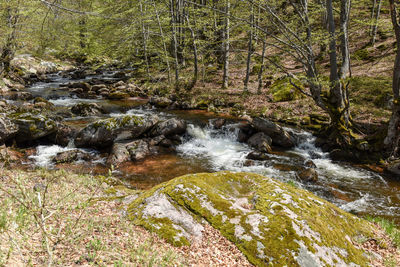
<point x="364" y="89"/>
<point x="58" y="218"/>
<point x="390" y="228"/>
<point x="283" y="90"/>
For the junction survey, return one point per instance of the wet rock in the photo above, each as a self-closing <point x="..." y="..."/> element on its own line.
<point x="169" y="127"/>
<point x="272" y="223"/>
<point x="280" y="137"/>
<point x="160" y="102"/>
<point x="119" y="153"/>
<point x="394" y="168"/>
<point x="102" y="133"/>
<point x="71" y="156"/>
<point x="103" y="92"/>
<point x="139" y="150"/>
<point x="79" y="74"/>
<point x="63" y="135"/>
<point x="41" y="103"/>
<point x="135" y="150"/>
<point x="310" y="164"/>
<point x="260" y="142"/>
<point x="245" y="132"/>
<point x="118" y="95"/>
<point x="308" y="175"/>
<point x="87" y="109"/>
<point x="119" y="84"/>
<point x="8" y="129"/>
<point x="218" y="123"/>
<point x="33" y="126"/>
<point x="120" y="75"/>
<point x="86" y="87"/>
<point x="256" y="155"/>
<point x="98" y="87"/>
<point x="21" y="96"/>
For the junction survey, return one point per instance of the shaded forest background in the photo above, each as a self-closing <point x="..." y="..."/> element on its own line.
<point x="333" y="58"/>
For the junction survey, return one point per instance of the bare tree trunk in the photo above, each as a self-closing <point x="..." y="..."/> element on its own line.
<point x="225" y="77"/>
<point x="163" y="42"/>
<point x="372" y="17"/>
<point x="174" y="43"/>
<point x="344" y="38"/>
<point x="144" y="36"/>
<point x="375" y="23"/>
<point x="196" y="64"/>
<point x="338" y="94"/>
<point x="260" y="73"/>
<point x="393" y="136"/>
<point x="249" y="51"/>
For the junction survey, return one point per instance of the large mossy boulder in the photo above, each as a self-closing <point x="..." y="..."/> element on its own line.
<point x="272" y="223"/>
<point x="33" y="126"/>
<point x="102" y="133"/>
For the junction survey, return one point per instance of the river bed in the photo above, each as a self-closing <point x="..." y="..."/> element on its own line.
<point x="206" y="149"/>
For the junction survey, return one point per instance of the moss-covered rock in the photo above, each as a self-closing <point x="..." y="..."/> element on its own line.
<point x="87" y="109"/>
<point x="102" y="133"/>
<point x="283" y="90"/>
<point x="33" y="126"/>
<point x="270" y="222"/>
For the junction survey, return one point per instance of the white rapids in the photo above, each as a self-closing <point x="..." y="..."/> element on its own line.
<point x="222" y="151"/>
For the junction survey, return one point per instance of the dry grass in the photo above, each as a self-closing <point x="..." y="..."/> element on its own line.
<point x="64" y="219"/>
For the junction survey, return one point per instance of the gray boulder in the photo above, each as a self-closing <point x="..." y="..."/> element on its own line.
<point x="71" y="156"/>
<point x="8" y="129"/>
<point x="280" y="137"/>
<point x="394" y="168"/>
<point x="169" y="128"/>
<point x="87" y="109"/>
<point x="101" y="134"/>
<point x="33" y="126"/>
<point x="261" y="142"/>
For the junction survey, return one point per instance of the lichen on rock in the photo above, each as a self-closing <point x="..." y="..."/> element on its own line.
<point x="272" y="223"/>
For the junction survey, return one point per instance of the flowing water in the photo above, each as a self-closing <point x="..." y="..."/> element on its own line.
<point x="205" y="149"/>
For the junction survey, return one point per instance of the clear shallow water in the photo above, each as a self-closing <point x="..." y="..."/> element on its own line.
<point x="205" y="149"/>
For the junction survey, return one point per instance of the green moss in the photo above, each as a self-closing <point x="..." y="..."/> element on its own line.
<point x="283" y="90"/>
<point x="270" y="222"/>
<point x="362" y="54"/>
<point x="120" y="122"/>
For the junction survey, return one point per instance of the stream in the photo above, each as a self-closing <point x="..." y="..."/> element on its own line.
<point x="206" y="149"/>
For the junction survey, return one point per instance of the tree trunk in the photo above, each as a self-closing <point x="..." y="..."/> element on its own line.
<point x="163" y="42"/>
<point x="195" y="56"/>
<point x="144" y="36"/>
<point x="174" y="44"/>
<point x="260" y="73"/>
<point x="375" y="23"/>
<point x="225" y="77"/>
<point x="344" y="38"/>
<point x="337" y="99"/>
<point x="392" y="139"/>
<point x="249" y="51"/>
